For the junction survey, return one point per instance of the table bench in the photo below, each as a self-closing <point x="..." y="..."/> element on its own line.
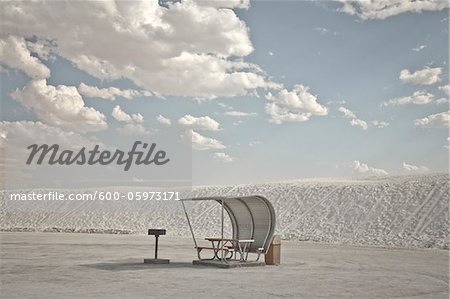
<point x="227" y="246"/>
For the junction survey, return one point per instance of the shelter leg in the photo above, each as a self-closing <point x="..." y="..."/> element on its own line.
<point x="259" y="254"/>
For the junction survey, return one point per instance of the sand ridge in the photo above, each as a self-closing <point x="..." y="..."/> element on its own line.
<point x="410" y="211"/>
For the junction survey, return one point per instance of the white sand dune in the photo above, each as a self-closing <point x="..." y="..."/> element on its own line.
<point x="404" y="211"/>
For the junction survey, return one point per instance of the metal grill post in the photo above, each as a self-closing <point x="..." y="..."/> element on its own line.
<point x="156" y="260"/>
<point x="156" y="247"/>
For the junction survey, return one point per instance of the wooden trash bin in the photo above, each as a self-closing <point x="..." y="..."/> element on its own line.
<point x="273" y="256"/>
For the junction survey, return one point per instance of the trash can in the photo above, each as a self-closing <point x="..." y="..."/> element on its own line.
<point x="273" y="256"/>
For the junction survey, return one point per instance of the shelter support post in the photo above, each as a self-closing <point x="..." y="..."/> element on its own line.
<point x="222" y="233"/>
<point x="189" y="223"/>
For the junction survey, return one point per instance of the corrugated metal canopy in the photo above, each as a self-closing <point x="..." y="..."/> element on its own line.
<point x="252" y="217"/>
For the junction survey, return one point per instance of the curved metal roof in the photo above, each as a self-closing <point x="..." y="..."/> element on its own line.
<point x="252" y="217"/>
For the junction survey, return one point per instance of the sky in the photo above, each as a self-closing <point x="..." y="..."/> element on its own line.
<point x="235" y="92"/>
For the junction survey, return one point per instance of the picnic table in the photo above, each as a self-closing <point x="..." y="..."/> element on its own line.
<point x="234" y="246"/>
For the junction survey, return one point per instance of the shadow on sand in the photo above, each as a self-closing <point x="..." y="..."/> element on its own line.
<point x="129" y="265"/>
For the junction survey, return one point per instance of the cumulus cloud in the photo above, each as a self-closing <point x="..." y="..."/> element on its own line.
<point x="420" y="97"/>
<point x="438" y="120"/>
<point x="134" y="129"/>
<point x="110" y="93"/>
<point x="41" y="47"/>
<point x="60" y="106"/>
<point x="20" y="134"/>
<point x="162" y="120"/>
<point x="336" y="102"/>
<point x="359" y="123"/>
<point x="445" y="89"/>
<point x="255" y="143"/>
<point x="16" y="55"/>
<point x="426" y="76"/>
<point x="133" y="122"/>
<point x="419" y="48"/>
<point x="122" y="116"/>
<point x="203" y="123"/>
<point x="223" y="157"/>
<point x="181" y="48"/>
<point x="347" y="113"/>
<point x="382" y="9"/>
<point x="354" y="121"/>
<point x="16" y="136"/>
<point x="363" y="168"/>
<point x="137" y="117"/>
<point x="379" y="124"/>
<point x="297" y="105"/>
<point x="201" y="143"/>
<point x="243" y="4"/>
<point x="240" y="113"/>
<point x="414" y="168"/>
<point x="223" y="105"/>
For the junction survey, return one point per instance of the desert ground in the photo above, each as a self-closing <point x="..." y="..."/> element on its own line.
<point x="64" y="265"/>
